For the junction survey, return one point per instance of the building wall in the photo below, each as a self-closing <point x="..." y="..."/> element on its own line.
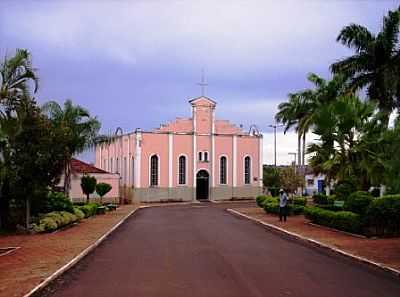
<point x="216" y="137"/>
<point x="76" y="193"/>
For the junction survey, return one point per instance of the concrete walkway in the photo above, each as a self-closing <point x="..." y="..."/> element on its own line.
<point x="202" y="250"/>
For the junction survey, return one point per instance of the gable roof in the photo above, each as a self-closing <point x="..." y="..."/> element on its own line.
<point x="202" y="99"/>
<point x="78" y="166"/>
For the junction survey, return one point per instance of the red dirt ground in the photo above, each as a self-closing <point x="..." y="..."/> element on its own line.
<point x="42" y="254"/>
<point x="382" y="250"/>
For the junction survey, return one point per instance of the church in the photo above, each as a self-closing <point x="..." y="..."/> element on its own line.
<point x="188" y="159"/>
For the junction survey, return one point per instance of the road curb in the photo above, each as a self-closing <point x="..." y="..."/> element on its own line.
<point x="363" y="260"/>
<point x="79" y="257"/>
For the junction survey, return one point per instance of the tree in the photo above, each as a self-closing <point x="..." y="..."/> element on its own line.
<point x="290" y="180"/>
<point x="375" y="64"/>
<point x="271" y="179"/>
<point x="88" y="185"/>
<point x="80" y="131"/>
<point x="102" y="189"/>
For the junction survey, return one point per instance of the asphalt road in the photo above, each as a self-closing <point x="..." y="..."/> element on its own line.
<point x="205" y="251"/>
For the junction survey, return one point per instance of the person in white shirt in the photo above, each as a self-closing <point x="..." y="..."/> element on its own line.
<point x="283" y="199"/>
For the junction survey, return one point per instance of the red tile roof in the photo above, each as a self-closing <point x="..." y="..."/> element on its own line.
<point x="78" y="166"/>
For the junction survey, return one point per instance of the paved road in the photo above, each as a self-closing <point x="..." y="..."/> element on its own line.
<point x="205" y="251"/>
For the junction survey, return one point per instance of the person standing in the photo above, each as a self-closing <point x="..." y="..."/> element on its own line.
<point x="283" y="199"/>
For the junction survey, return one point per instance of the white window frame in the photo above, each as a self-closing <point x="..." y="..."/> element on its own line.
<point x="186" y="170"/>
<point x="227" y="170"/>
<point x="158" y="170"/>
<point x="244" y="170"/>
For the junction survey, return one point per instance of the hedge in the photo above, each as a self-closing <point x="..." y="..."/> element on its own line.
<point x="320" y="198"/>
<point x="358" y="202"/>
<point x="341" y="220"/>
<point x="89" y="209"/>
<point x="263" y="199"/>
<point x="273" y="207"/>
<point x="383" y="215"/>
<point x="300" y="201"/>
<point x="54" y="220"/>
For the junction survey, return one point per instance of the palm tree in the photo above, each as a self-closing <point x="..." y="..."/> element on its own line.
<point x="80" y="130"/>
<point x="15" y="74"/>
<point x="375" y="64"/>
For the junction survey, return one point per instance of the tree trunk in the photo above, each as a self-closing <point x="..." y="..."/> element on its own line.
<point x="67" y="177"/>
<point x="5" y="205"/>
<point x="298" y="149"/>
<point x="87" y="198"/>
<point x="303" y="161"/>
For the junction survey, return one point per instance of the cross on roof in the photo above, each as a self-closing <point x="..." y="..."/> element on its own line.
<point x="202" y="83"/>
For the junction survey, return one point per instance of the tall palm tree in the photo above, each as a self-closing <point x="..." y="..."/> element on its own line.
<point x="15" y="75"/>
<point x="375" y="64"/>
<point x="80" y="130"/>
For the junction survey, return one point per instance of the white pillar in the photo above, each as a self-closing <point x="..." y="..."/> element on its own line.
<point x="194" y="152"/>
<point x="234" y="161"/>
<point x="138" y="155"/>
<point x="170" y="158"/>
<point x="260" y="155"/>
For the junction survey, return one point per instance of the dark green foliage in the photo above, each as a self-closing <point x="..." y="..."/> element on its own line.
<point x="262" y="199"/>
<point x="102" y="189"/>
<point x="273" y="207"/>
<point x="320" y="198"/>
<point x="358" y="202"/>
<point x="376" y="192"/>
<point x="56" y="201"/>
<point x="274" y="191"/>
<point x="271" y="178"/>
<point x="343" y="189"/>
<point x="383" y="215"/>
<point x="331" y="199"/>
<point x="330" y="207"/>
<point x="341" y="220"/>
<point x="300" y="201"/>
<point x="54" y="220"/>
<point x="89" y="209"/>
<point x="88" y="185"/>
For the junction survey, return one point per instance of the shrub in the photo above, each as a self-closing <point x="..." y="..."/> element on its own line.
<point x="331" y="207"/>
<point x="341" y="220"/>
<point x="56" y="201"/>
<point x="320" y="198"/>
<point x="273" y="207"/>
<point x="89" y="209"/>
<point x="300" y="201"/>
<point x="263" y="199"/>
<point x="102" y="189"/>
<point x="79" y="213"/>
<point x="88" y="185"/>
<point x="358" y="202"/>
<point x="274" y="191"/>
<point x="331" y="199"/>
<point x="343" y="189"/>
<point x="383" y="215"/>
<point x="54" y="220"/>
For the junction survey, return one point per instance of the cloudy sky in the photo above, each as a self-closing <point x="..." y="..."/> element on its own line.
<point x="136" y="63"/>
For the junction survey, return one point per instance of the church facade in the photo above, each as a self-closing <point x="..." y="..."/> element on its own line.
<point x="188" y="159"/>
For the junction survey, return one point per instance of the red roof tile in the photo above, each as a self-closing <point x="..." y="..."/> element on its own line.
<point x="78" y="166"/>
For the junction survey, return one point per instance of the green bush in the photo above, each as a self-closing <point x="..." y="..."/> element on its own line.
<point x="79" y="213"/>
<point x="273" y="207"/>
<point x="358" y="202"/>
<point x="274" y="191"/>
<point x="263" y="199"/>
<point x="320" y="198"/>
<point x="330" y="207"/>
<point x="383" y="215"/>
<point x="56" y="201"/>
<point x="344" y="188"/>
<point x="341" y="220"/>
<point x="300" y="201"/>
<point x="89" y="209"/>
<point x="331" y="199"/>
<point x="54" y="220"/>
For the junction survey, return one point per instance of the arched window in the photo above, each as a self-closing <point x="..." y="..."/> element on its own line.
<point x="117" y="165"/>
<point x="104" y="164"/>
<point x="154" y="170"/>
<point x="182" y="170"/>
<point x="247" y="170"/>
<point x="111" y="165"/>
<point x="205" y="156"/>
<point x="200" y="156"/>
<point x="222" y="170"/>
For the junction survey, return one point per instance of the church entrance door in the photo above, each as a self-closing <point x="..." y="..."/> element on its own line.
<point x="202" y="185"/>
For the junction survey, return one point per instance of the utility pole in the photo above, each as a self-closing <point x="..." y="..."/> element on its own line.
<point x="275" y="126"/>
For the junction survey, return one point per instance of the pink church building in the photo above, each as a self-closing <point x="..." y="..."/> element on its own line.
<point x="188" y="159"/>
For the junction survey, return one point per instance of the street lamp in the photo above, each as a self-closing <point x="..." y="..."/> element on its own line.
<point x="275" y="126"/>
